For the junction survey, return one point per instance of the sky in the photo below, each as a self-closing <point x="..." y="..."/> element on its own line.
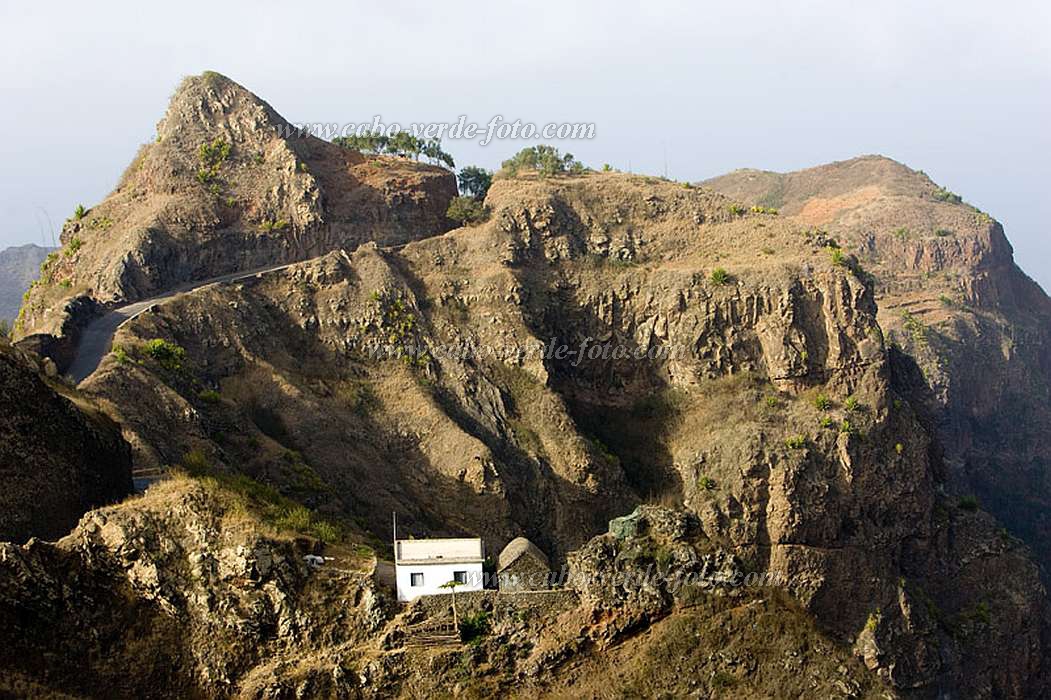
<point x="961" y="90"/>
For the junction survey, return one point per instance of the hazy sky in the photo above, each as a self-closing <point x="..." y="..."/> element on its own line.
<point x="960" y="89"/>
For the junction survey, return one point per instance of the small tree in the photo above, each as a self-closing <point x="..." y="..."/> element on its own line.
<point x="475" y="181"/>
<point x="451" y="586"/>
<point x="546" y="160"/>
<point x="466" y="210"/>
<point x="432" y="151"/>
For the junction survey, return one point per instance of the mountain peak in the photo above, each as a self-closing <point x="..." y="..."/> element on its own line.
<point x="211" y="102"/>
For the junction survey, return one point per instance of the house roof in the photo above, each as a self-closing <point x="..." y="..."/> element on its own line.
<point x="439" y="551"/>
<point x="514" y="551"/>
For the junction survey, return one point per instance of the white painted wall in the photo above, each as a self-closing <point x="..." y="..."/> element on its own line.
<point x="434" y="577"/>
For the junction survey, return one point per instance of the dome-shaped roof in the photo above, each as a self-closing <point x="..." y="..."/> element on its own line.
<point x="515" y="549"/>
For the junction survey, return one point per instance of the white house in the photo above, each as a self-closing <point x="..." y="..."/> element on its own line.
<point x="422" y="567"/>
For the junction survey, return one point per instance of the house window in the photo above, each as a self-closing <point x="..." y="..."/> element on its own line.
<point x="416" y="580"/>
<point x="460" y="577"/>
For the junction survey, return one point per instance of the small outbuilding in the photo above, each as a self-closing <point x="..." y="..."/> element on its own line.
<point x="523" y="567"/>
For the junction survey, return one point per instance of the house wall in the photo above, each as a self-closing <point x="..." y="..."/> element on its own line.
<point x="434" y="577"/>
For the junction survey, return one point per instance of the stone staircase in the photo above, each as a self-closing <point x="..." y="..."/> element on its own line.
<point x="432" y="634"/>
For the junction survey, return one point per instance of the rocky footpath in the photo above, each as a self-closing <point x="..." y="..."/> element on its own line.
<point x="59" y="455"/>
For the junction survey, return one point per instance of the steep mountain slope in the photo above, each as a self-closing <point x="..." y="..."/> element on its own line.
<point x="951" y="295"/>
<point x="19" y="266"/>
<point x="602" y="340"/>
<point x="185" y="592"/>
<point x="59" y="455"/>
<point x="764" y="401"/>
<point x="226" y="188"/>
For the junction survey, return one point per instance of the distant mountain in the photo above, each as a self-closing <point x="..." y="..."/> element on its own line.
<point x="19" y="266"/>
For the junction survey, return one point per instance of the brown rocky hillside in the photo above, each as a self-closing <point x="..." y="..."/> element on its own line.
<point x="746" y="386"/>
<point x="59" y="455"/>
<point x="951" y="296"/>
<point x="784" y="425"/>
<point x="221" y="190"/>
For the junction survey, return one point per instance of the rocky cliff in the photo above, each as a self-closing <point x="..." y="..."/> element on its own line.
<point x="187" y="591"/>
<point x="766" y="402"/>
<point x="227" y="186"/>
<point x="59" y="455"/>
<point x="601" y="340"/>
<point x="951" y="296"/>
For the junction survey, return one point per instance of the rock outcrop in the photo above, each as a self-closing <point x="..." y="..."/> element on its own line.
<point x="761" y="398"/>
<point x="185" y="591"/>
<point x="602" y="340"/>
<point x="951" y="296"/>
<point x="59" y="455"/>
<point x="229" y="185"/>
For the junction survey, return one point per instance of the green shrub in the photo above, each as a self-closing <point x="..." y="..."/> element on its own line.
<point x="5" y="328"/>
<point x="546" y="160"/>
<point x="273" y="225"/>
<point x="914" y="327"/>
<point x="120" y="354"/>
<point x="827" y="422"/>
<point x="736" y="210"/>
<point x="796" y="442"/>
<point x="944" y="195"/>
<point x="211" y="156"/>
<point x="475" y="181"/>
<point x="837" y="256"/>
<point x="968" y="503"/>
<point x="723" y="680"/>
<point x="943" y="233"/>
<point x="707" y="483"/>
<point x="822" y="402"/>
<point x="764" y="210"/>
<point x="467" y="210"/>
<point x="847" y="428"/>
<point x="79" y="212"/>
<point x="899" y="448"/>
<point x="902" y="233"/>
<point x="75" y="244"/>
<point x="209" y="396"/>
<point x="473" y="627"/>
<point x="873" y="622"/>
<point x="852" y="404"/>
<point x="720" y="277"/>
<point x="169" y="355"/>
